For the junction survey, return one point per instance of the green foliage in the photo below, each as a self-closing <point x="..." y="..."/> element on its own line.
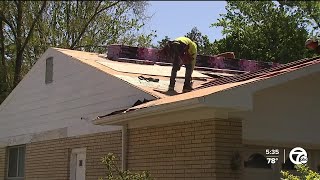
<point x="163" y="42"/>
<point x="113" y="172"/>
<point x="310" y="10"/>
<point x="202" y="41"/>
<point x="27" y="29"/>
<point x="263" y="30"/>
<point x="304" y="174"/>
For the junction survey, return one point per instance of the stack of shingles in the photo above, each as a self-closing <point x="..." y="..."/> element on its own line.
<point x="122" y="51"/>
<point x="150" y="55"/>
<point x="129" y="52"/>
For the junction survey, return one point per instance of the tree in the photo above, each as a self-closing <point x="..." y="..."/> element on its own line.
<point x="92" y="25"/>
<point x="163" y="42"/>
<point x="263" y="30"/>
<point x="305" y="174"/>
<point x="113" y="172"/>
<point x="13" y="18"/>
<point x="202" y="41"/>
<point x="310" y="10"/>
<point x="28" y="28"/>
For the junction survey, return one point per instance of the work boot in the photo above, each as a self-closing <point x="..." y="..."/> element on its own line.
<point x="171" y="88"/>
<point x="187" y="88"/>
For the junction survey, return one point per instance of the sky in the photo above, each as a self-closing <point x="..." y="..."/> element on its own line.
<point x="176" y="18"/>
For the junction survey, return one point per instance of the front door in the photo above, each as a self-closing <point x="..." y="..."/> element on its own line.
<point x="78" y="164"/>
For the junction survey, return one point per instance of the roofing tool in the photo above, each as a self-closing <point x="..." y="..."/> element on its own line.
<point x="148" y="79"/>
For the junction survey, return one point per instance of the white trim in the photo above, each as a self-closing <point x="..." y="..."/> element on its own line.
<point x="124" y="147"/>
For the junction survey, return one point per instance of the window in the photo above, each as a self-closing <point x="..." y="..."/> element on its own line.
<point x="257" y="161"/>
<point x="49" y="70"/>
<point x="16" y="158"/>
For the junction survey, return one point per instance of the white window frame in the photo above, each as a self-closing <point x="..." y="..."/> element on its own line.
<point x="8" y="159"/>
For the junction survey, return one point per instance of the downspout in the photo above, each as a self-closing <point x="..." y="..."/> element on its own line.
<point x="124" y="146"/>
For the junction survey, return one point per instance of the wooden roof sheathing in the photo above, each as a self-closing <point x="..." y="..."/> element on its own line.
<point x="153" y="70"/>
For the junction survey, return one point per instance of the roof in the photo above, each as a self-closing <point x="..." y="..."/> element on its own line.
<point x="149" y="76"/>
<point x="146" y="77"/>
<point x="263" y="73"/>
<point x="223" y="84"/>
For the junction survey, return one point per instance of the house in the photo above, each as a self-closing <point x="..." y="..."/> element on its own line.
<point x="74" y="107"/>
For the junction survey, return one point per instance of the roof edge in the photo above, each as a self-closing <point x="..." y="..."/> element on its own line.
<point x="151" y="111"/>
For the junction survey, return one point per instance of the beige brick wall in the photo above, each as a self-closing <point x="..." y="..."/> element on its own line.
<point x="50" y="159"/>
<point x="2" y="163"/>
<point x="190" y="150"/>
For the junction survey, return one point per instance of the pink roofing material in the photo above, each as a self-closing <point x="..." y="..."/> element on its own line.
<point x="151" y="54"/>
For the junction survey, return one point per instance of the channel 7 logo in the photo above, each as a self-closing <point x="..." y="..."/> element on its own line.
<point x="298" y="156"/>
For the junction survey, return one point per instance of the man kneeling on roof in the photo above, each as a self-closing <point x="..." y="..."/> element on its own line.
<point x="181" y="51"/>
<point x="313" y="44"/>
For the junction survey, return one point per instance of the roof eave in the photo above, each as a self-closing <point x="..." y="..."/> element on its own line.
<point x="151" y="111"/>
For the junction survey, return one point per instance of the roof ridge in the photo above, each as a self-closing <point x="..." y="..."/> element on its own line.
<point x="250" y="75"/>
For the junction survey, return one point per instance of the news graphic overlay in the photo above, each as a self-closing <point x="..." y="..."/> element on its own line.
<point x="298" y="156"/>
<point x="272" y="155"/>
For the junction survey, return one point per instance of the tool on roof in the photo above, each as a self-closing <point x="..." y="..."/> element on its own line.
<point x="148" y="79"/>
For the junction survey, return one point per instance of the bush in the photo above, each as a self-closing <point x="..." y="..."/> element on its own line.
<point x="305" y="174"/>
<point x="113" y="172"/>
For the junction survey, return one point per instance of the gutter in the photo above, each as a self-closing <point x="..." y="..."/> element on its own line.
<point x="150" y="111"/>
<point x="124" y="147"/>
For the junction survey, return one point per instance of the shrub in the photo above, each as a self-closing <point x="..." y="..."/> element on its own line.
<point x="113" y="172"/>
<point x="304" y="174"/>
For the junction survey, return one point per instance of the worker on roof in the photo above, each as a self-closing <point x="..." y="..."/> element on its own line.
<point x="181" y="51"/>
<point x="313" y="44"/>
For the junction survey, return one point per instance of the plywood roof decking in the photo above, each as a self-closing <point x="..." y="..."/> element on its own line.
<point x="92" y="59"/>
<point x="154" y="70"/>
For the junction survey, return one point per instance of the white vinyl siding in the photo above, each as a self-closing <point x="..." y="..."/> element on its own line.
<point x="79" y="94"/>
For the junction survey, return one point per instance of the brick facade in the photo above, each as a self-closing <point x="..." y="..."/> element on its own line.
<point x="199" y="149"/>
<point x="189" y="150"/>
<point x="2" y="163"/>
<point x="50" y="159"/>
